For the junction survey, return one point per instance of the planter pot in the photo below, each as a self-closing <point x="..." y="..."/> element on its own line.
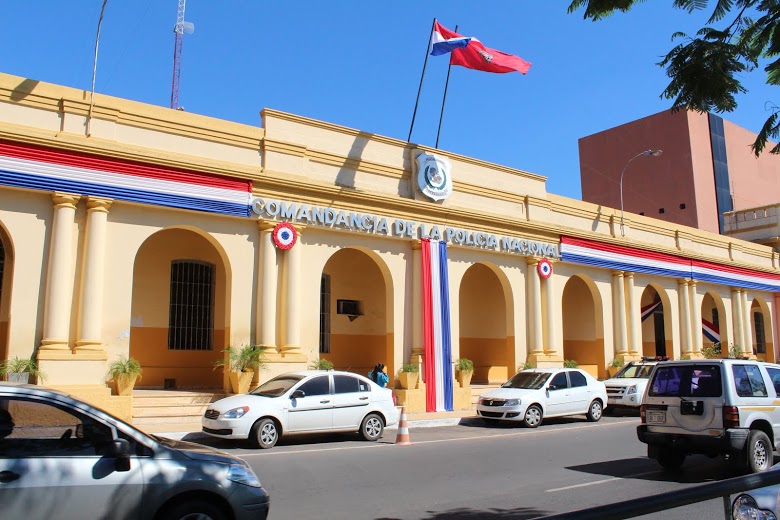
<point x="240" y="381"/>
<point x="464" y="377"/>
<point x="408" y="380"/>
<point x="18" y="377"/>
<point x="613" y="370"/>
<point x="124" y="385"/>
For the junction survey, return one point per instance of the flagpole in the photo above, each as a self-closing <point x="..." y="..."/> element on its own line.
<point x="444" y="99"/>
<point x="419" y="89"/>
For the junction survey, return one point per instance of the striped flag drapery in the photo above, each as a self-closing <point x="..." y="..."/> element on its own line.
<point x="436" y="327"/>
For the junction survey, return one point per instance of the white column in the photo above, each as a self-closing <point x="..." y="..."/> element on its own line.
<point x="265" y="321"/>
<point x="747" y="329"/>
<point x="90" y="330"/>
<point x="59" y="278"/>
<point x="292" y="307"/>
<point x="634" y="318"/>
<point x="685" y="317"/>
<point x="619" y="313"/>
<point x="738" y="317"/>
<point x="552" y="317"/>
<point x="696" y="318"/>
<point x="418" y="345"/>
<point x="535" y="308"/>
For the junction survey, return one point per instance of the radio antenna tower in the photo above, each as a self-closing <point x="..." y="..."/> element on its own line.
<point x="179" y="29"/>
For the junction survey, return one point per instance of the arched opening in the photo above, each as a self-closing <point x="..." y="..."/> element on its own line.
<point x="179" y="323"/>
<point x="655" y="324"/>
<point x="356" y="329"/>
<point x="583" y="326"/>
<point x="484" y="335"/>
<point x="761" y="330"/>
<point x="6" y="271"/>
<point x="713" y="324"/>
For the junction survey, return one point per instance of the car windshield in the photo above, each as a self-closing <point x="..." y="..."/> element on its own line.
<point x="687" y="381"/>
<point x="527" y="380"/>
<point x="276" y="386"/>
<point x="632" y="370"/>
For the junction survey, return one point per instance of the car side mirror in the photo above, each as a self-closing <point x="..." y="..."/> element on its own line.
<point x="298" y="394"/>
<point x="119" y="449"/>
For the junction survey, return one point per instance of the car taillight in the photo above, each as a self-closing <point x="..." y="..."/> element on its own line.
<point x="730" y="417"/>
<point x="642" y="412"/>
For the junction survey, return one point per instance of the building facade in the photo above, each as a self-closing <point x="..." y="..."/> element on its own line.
<point x="134" y="230"/>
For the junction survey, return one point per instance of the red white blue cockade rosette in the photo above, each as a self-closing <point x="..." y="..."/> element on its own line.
<point x="284" y="235"/>
<point x="544" y="268"/>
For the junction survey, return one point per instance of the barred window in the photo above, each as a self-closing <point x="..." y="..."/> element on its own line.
<point x="715" y="318"/>
<point x="2" y="262"/>
<point x="191" y="312"/>
<point x="325" y="314"/>
<point x="760" y="336"/>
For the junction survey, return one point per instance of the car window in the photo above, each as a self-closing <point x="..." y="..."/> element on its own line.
<point x="319" y="385"/>
<point x="559" y="381"/>
<point x="348" y="384"/>
<point x="687" y="381"/>
<point x="577" y="379"/>
<point x="276" y="386"/>
<point x="527" y="380"/>
<point x="774" y="373"/>
<point x="30" y="428"/>
<point x="748" y="381"/>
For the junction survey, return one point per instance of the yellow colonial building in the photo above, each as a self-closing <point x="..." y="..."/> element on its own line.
<point x="135" y="230"/>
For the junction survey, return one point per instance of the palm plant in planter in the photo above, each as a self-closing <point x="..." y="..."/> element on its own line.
<point x="124" y="372"/>
<point x="19" y="370"/>
<point x="240" y="363"/>
<point x="407" y="376"/>
<point x="465" y="369"/>
<point x="321" y="364"/>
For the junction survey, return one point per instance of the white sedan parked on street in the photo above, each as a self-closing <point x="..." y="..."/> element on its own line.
<point x="303" y="402"/>
<point x="534" y="394"/>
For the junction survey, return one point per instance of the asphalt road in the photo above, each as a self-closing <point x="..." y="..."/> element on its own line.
<point x="471" y="471"/>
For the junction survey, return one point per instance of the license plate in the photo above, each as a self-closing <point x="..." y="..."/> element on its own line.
<point x="656" y="417"/>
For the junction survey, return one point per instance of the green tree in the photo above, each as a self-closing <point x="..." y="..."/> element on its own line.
<point x="739" y="37"/>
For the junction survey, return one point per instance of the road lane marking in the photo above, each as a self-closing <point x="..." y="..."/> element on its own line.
<point x="437" y="441"/>
<point x="604" y="481"/>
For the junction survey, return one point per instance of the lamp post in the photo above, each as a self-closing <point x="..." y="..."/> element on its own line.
<point x="653" y="153"/>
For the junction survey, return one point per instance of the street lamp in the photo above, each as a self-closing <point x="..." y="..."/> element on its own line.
<point x="653" y="153"/>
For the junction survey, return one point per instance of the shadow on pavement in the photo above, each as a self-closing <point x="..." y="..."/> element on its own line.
<point x="696" y="469"/>
<point x="520" y="513"/>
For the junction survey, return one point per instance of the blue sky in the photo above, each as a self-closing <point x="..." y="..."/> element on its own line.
<point x="358" y="64"/>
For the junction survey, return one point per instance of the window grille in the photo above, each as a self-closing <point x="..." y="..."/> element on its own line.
<point x="325" y="314"/>
<point x="758" y="318"/>
<point x="191" y="311"/>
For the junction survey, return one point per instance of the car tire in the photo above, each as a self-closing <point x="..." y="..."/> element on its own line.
<point x="264" y="434"/>
<point x="533" y="416"/>
<point x="595" y="411"/>
<point x="372" y="427"/>
<point x="190" y="509"/>
<point x="670" y="459"/>
<point x="760" y="455"/>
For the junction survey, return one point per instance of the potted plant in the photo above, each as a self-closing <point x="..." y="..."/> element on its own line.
<point x="19" y="370"/>
<point x="407" y="376"/>
<point x="321" y="364"/>
<point x="240" y="364"/>
<point x="124" y="372"/>
<point x="465" y="369"/>
<point x="570" y="363"/>
<point x="526" y="366"/>
<point x="614" y="366"/>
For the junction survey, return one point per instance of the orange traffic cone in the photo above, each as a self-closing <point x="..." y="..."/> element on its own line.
<point x="402" y="438"/>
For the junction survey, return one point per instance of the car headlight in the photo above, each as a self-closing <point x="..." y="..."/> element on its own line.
<point x="243" y="475"/>
<point x="512" y="402"/>
<point x="631" y="389"/>
<point x="236" y="413"/>
<point x="746" y="508"/>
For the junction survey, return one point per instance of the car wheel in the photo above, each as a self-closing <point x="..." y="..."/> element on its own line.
<point x="759" y="452"/>
<point x="670" y="459"/>
<point x="595" y="411"/>
<point x="193" y="510"/>
<point x="533" y="416"/>
<point x="372" y="427"/>
<point x="264" y="434"/>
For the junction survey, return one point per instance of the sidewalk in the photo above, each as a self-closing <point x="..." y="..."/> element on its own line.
<point x="192" y="432"/>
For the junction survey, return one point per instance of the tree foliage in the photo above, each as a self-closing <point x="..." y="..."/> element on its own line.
<point x="739" y="37"/>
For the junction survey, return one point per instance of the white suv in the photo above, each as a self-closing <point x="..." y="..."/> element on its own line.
<point x="626" y="388"/>
<point x="714" y="407"/>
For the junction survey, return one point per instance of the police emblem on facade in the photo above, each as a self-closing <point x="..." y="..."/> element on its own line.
<point x="433" y="176"/>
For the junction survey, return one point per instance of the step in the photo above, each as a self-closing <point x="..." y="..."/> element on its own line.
<point x="170" y="411"/>
<point x="169" y="407"/>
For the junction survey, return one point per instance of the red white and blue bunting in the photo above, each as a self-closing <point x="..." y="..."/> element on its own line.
<point x="284" y="235"/>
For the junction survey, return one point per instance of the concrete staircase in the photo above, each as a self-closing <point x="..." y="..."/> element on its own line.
<point x="160" y="411"/>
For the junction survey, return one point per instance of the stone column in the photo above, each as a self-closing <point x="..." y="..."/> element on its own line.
<point x="619" y="314"/>
<point x="265" y="321"/>
<point x="696" y="319"/>
<point x="90" y="330"/>
<point x="535" y="308"/>
<point x="685" y="317"/>
<point x="634" y="318"/>
<point x="418" y="344"/>
<point x="292" y="306"/>
<point x="747" y="329"/>
<point x="550" y="327"/>
<point x="59" y="278"/>
<point x="737" y="316"/>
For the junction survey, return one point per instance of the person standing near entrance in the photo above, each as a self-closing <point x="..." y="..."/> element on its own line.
<point x="378" y="375"/>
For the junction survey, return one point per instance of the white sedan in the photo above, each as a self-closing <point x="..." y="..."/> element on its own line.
<point x="532" y="395"/>
<point x="303" y="402"/>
